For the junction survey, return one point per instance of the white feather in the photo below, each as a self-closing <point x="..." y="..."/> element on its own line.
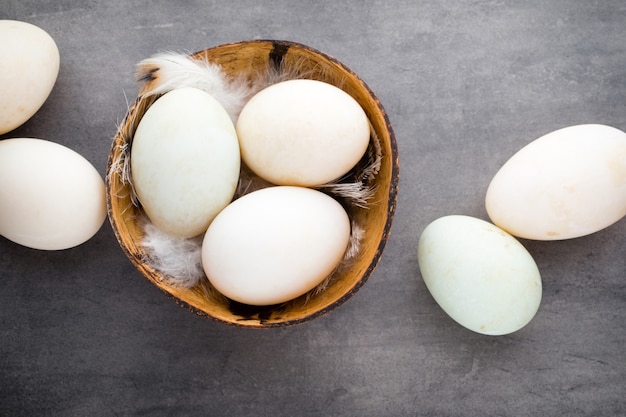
<point x="178" y="259"/>
<point x="169" y="70"/>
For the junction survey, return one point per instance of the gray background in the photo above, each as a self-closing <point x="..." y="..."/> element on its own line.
<point x="466" y="83"/>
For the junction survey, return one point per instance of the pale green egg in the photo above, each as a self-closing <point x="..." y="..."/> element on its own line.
<point x="481" y="276"/>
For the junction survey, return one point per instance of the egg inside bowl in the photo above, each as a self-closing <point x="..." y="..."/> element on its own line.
<point x="246" y="60"/>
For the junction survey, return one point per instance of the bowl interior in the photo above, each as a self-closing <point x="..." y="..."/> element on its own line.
<point x="248" y="59"/>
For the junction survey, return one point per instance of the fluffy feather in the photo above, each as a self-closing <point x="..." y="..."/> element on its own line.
<point x="120" y="165"/>
<point x="357" y="187"/>
<point x="169" y="70"/>
<point x="178" y="259"/>
<point x="357" y="234"/>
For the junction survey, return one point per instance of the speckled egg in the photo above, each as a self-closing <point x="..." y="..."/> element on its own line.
<point x="566" y="184"/>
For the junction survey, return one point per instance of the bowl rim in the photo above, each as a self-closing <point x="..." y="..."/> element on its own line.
<point x="280" y="48"/>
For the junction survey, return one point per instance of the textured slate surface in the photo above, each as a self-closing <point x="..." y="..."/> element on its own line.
<point x="466" y="84"/>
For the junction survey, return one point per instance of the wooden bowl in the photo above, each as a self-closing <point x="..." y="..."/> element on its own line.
<point x="248" y="59"/>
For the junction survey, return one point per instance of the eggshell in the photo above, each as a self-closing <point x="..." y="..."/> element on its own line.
<point x="481" y="276"/>
<point x="566" y="184"/>
<point x="275" y="244"/>
<point x="185" y="161"/>
<point x="51" y="197"/>
<point x="28" y="71"/>
<point x="302" y="132"/>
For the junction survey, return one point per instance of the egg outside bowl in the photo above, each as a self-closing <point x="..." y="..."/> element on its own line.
<point x="248" y="59"/>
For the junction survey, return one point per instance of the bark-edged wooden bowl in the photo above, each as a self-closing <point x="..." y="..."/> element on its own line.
<point x="248" y="59"/>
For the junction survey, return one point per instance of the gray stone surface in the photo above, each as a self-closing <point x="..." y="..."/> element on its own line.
<point x="466" y="84"/>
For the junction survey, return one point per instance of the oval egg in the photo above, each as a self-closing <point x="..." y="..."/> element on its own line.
<point x="481" y="276"/>
<point x="275" y="244"/>
<point x="51" y="197"/>
<point x="302" y="132"/>
<point x="185" y="161"/>
<point x="566" y="184"/>
<point x="28" y="70"/>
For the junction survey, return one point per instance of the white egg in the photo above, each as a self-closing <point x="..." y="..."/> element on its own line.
<point x="51" y="197"/>
<point x="481" y="276"/>
<point x="566" y="184"/>
<point x="275" y="244"/>
<point x="302" y="132"/>
<point x="28" y="71"/>
<point x="185" y="161"/>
